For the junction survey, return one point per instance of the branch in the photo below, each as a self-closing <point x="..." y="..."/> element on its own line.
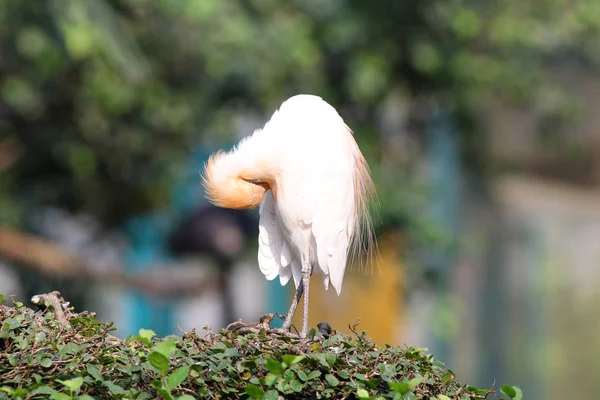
<point x="239" y="327"/>
<point x="54" y="300"/>
<point x="63" y="313"/>
<point x="48" y="258"/>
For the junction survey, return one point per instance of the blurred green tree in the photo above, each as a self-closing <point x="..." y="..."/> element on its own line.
<point x="100" y="100"/>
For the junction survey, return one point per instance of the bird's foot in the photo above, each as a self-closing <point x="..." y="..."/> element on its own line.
<point x="264" y="324"/>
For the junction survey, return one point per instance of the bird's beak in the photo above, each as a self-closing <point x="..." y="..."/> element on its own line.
<point x="265" y="185"/>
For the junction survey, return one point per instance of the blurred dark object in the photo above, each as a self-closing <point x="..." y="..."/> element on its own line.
<point x="325" y="329"/>
<point x="223" y="235"/>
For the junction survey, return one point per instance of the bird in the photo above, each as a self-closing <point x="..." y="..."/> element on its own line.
<point x="325" y="329"/>
<point x="313" y="186"/>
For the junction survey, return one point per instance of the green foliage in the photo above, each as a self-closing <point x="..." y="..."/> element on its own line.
<point x="106" y="97"/>
<point x="40" y="358"/>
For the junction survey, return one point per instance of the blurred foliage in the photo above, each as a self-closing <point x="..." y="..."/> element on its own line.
<point x="105" y="98"/>
<point x="44" y="357"/>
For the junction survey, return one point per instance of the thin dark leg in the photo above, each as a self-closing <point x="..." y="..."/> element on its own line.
<point x="305" y="282"/>
<point x="306" y="272"/>
<point x="290" y="315"/>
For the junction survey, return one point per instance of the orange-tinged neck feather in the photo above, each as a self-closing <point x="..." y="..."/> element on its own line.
<point x="230" y="186"/>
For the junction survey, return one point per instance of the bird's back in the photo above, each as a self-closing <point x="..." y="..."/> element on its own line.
<point x="317" y="197"/>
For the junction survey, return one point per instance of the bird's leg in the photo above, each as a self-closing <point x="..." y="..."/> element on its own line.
<point x="290" y="315"/>
<point x="306" y="273"/>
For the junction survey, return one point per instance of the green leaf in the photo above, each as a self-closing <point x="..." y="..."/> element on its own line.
<point x="448" y="376"/>
<point x="7" y="389"/>
<point x="519" y="393"/>
<point x="362" y="394"/>
<point x="19" y="392"/>
<point x="44" y="389"/>
<point x="178" y="376"/>
<point x="60" y="396"/>
<point x="254" y="391"/>
<point x="114" y="388"/>
<point x="274" y="366"/>
<point x="302" y="375"/>
<point x="94" y="372"/>
<point x="414" y="382"/>
<point x="219" y="346"/>
<point x="270" y="379"/>
<point x="443" y="397"/>
<point x="159" y="361"/>
<point x="477" y="390"/>
<point x="164" y="393"/>
<point x="409" y="396"/>
<point x="509" y="391"/>
<point x="314" y="375"/>
<point x="12" y="323"/>
<point x="158" y="386"/>
<point x="344" y="374"/>
<point x="332" y="380"/>
<point x="144" y="396"/>
<point x="399" y="387"/>
<point x="296" y="385"/>
<point x="72" y="384"/>
<point x="186" y="397"/>
<point x="146" y="333"/>
<point x="271" y="395"/>
<point x="232" y="352"/>
<point x="166" y="347"/>
<point x="85" y="397"/>
<point x="512" y="391"/>
<point x="291" y="359"/>
<point x="46" y="362"/>
<point x="331" y="358"/>
<point x="2" y="299"/>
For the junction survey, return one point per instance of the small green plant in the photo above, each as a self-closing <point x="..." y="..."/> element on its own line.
<point x="41" y="357"/>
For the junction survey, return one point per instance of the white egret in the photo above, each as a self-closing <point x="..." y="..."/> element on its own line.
<point x="313" y="186"/>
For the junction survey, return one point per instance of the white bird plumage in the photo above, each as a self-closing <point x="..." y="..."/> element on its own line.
<point x="313" y="186"/>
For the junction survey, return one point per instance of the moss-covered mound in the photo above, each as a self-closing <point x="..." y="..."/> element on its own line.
<point x="54" y="353"/>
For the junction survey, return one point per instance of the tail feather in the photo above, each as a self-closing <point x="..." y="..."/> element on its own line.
<point x="363" y="242"/>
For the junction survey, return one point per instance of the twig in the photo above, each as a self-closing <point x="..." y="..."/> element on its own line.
<point x="63" y="312"/>
<point x="282" y="317"/>
<point x="56" y="301"/>
<point x="492" y="391"/>
<point x="353" y="326"/>
<point x="240" y="327"/>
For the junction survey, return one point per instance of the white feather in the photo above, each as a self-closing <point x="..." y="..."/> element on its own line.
<point x="274" y="254"/>
<point x="307" y="142"/>
<point x="269" y="239"/>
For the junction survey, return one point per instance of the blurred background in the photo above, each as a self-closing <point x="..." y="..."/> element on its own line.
<point x="478" y="120"/>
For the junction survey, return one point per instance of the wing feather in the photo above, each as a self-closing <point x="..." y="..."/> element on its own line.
<point x="332" y="250"/>
<point x="296" y="268"/>
<point x="269" y="239"/>
<point x="275" y="256"/>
